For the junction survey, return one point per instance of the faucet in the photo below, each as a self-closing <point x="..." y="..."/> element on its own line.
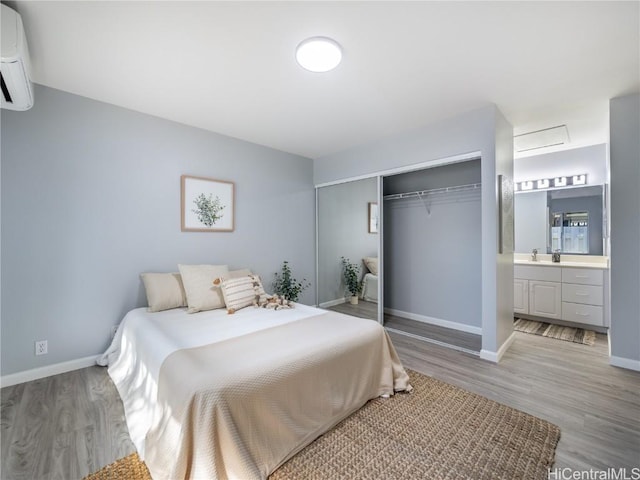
<point x="534" y="255"/>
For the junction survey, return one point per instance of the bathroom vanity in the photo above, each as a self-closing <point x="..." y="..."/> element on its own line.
<point x="575" y="290"/>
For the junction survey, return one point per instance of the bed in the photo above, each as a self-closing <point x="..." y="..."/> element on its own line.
<point x="370" y="279"/>
<point x="370" y="287"/>
<point x="212" y="395"/>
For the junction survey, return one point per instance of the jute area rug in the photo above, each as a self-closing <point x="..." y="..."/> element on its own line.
<point x="436" y="432"/>
<point x="568" y="334"/>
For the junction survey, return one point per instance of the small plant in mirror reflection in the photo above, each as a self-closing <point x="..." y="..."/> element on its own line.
<point x="351" y="276"/>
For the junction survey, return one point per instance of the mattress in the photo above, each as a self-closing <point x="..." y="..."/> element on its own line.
<point x="212" y="395"/>
<point x="370" y="287"/>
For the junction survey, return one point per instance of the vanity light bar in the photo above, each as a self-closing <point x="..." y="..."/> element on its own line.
<point x="555" y="182"/>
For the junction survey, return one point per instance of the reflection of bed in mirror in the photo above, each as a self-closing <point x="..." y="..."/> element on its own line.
<point x="370" y="287"/>
<point x="370" y="279"/>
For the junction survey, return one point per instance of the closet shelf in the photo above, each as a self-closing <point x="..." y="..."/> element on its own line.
<point x="433" y="191"/>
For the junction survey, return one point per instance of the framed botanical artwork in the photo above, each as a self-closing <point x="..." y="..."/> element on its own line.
<point x="373" y="217"/>
<point x="207" y="205"/>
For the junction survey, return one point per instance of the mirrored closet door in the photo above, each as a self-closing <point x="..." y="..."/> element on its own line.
<point x="347" y="227"/>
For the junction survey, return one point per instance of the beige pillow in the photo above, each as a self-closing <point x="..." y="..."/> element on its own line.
<point x="164" y="291"/>
<point x="243" y="272"/>
<point x="198" y="285"/>
<point x="372" y="264"/>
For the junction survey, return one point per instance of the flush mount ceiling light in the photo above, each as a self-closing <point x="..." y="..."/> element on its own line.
<point x="319" y="54"/>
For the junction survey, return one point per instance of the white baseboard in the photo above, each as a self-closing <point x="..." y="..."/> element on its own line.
<point x="435" y="321"/>
<point x="627" y="363"/>
<point x="332" y="303"/>
<point x="496" y="356"/>
<point x="42" y="372"/>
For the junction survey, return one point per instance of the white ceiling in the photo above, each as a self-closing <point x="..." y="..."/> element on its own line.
<point x="229" y="67"/>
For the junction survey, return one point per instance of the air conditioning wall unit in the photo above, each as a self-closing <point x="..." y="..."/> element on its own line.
<point x="17" y="90"/>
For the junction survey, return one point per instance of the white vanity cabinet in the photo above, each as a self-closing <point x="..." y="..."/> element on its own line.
<point x="542" y="288"/>
<point x="583" y="296"/>
<point x="571" y="294"/>
<point x="545" y="299"/>
<point x="520" y="295"/>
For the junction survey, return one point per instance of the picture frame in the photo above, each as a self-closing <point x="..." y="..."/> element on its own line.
<point x="373" y="217"/>
<point x="206" y="204"/>
<point x="506" y="230"/>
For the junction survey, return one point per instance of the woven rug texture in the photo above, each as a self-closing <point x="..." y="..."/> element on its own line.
<point x="559" y="332"/>
<point x="436" y="432"/>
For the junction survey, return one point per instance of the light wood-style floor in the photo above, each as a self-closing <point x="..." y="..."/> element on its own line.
<point x="69" y="425"/>
<point x="440" y="335"/>
<point x="362" y="309"/>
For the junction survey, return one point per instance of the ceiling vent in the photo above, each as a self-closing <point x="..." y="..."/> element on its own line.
<point x="547" y="137"/>
<point x="15" y="79"/>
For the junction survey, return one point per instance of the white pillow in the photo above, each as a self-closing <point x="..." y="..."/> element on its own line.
<point x="243" y="272"/>
<point x="372" y="264"/>
<point x="202" y="294"/>
<point x="164" y="291"/>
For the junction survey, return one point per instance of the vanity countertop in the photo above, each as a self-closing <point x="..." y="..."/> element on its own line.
<point x="574" y="261"/>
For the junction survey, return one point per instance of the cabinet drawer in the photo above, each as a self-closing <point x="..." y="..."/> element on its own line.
<point x="546" y="274"/>
<point x="578" y="313"/>
<point x="587" y="294"/>
<point x="583" y="276"/>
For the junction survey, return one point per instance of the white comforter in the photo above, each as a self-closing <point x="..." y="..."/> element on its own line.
<point x="137" y="369"/>
<point x="217" y="396"/>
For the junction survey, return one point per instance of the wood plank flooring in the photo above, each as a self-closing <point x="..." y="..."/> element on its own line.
<point x="440" y="335"/>
<point x="470" y="342"/>
<point x="363" y="309"/>
<point x="69" y="425"/>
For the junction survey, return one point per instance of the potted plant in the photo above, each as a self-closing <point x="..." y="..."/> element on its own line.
<point x="286" y="286"/>
<point x="351" y="276"/>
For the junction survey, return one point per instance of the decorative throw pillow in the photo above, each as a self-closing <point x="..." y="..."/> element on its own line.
<point x="164" y="291"/>
<point x="198" y="285"/>
<point x="241" y="292"/>
<point x="243" y="272"/>
<point x="372" y="264"/>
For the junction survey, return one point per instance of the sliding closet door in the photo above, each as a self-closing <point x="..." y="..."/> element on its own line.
<point x="432" y="245"/>
<point x="347" y="227"/>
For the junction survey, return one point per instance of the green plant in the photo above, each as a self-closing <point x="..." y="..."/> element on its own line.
<point x="287" y="286"/>
<point x="351" y="276"/>
<point x="209" y="209"/>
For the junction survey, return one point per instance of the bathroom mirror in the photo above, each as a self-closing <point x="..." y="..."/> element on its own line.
<point x="344" y="230"/>
<point x="571" y="220"/>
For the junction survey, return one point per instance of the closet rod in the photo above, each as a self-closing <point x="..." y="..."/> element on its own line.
<point x="420" y="193"/>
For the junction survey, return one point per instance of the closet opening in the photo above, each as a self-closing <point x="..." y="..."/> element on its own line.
<point x="432" y="254"/>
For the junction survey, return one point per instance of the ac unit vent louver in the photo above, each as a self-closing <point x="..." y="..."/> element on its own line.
<point x="17" y="90"/>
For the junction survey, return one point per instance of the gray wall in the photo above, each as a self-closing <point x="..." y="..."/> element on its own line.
<point x="343" y="230"/>
<point x="624" y="120"/>
<point x="432" y="250"/>
<point x="483" y="130"/>
<point x="591" y="160"/>
<point x="91" y="198"/>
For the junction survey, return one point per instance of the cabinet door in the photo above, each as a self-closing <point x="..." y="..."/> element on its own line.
<point x="520" y="295"/>
<point x="545" y="299"/>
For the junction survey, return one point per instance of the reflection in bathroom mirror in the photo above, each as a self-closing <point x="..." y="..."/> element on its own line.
<point x="566" y="219"/>
<point x="344" y="212"/>
<point x="570" y="232"/>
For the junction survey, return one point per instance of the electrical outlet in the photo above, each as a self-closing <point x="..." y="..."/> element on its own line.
<point x="41" y="347"/>
<point x="114" y="329"/>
